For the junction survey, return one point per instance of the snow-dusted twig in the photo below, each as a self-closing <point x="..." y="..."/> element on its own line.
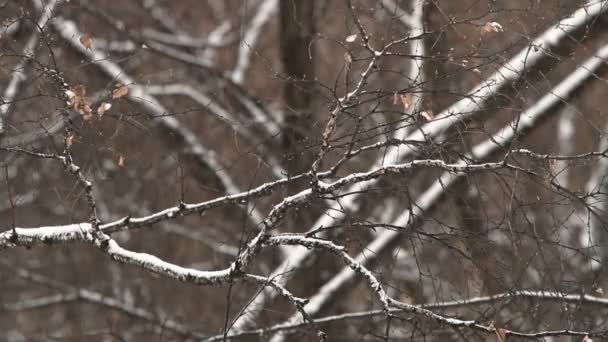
<point x="264" y="13"/>
<point x="473" y="102"/>
<point x="599" y="154"/>
<point x="338" y="211"/>
<point x="28" y="237"/>
<point x="351" y="263"/>
<point x="424" y="202"/>
<point x="539" y="296"/>
<point x="18" y="75"/>
<point x="66" y="233"/>
<point x="581" y="298"/>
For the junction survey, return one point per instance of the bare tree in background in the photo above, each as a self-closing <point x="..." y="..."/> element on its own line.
<point x="303" y="170"/>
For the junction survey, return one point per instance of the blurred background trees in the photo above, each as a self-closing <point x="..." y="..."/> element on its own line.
<point x="303" y="170"/>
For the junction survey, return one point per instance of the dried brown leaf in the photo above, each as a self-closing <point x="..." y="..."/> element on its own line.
<point x="427" y="114"/>
<point x="86" y="112"/>
<point x="406" y="100"/>
<point x="490" y="27"/>
<point x="103" y="108"/>
<point x="80" y="102"/>
<point x="87" y="40"/>
<point x="501" y="334"/>
<point x="69" y="141"/>
<point x="79" y="90"/>
<point x="477" y="74"/>
<point x="120" y="91"/>
<point x="348" y="59"/>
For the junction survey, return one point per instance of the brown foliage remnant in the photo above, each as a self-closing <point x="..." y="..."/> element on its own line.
<point x="103" y="108"/>
<point x="119" y="91"/>
<point x="87" y="40"/>
<point x="406" y="100"/>
<point x="492" y="27"/>
<point x="427" y="114"/>
<point x="80" y="102"/>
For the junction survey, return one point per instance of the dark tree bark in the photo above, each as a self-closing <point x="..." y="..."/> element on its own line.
<point x="297" y="30"/>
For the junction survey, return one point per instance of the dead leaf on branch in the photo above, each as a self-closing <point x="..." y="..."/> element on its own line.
<point x="80" y="102"/>
<point x="477" y="74"/>
<point x="87" y="113"/>
<point x="427" y="114"/>
<point x="492" y="27"/>
<point x="79" y="91"/>
<point x="87" y="40"/>
<point x="103" y="108"/>
<point x="69" y="141"/>
<point x="501" y="334"/>
<point x="348" y="59"/>
<point x="330" y="129"/>
<point x="406" y="100"/>
<point x="120" y="91"/>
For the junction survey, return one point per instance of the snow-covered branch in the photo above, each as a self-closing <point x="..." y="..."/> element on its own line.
<point x="428" y="199"/>
<point x="468" y="106"/>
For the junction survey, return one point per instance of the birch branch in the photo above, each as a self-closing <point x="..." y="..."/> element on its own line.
<point x="29" y="237"/>
<point x="540" y="296"/>
<point x="264" y="13"/>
